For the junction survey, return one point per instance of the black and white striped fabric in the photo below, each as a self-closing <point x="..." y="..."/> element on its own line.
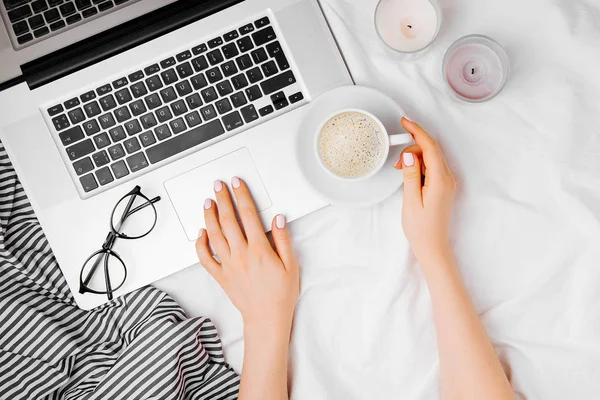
<point x="140" y="346"/>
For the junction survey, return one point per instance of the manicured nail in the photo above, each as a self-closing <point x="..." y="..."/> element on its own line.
<point x="207" y="203"/>
<point x="409" y="159"/>
<point x="201" y="233"/>
<point x="280" y="221"/>
<point x="235" y="182"/>
<point x="218" y="186"/>
<point x="408" y="119"/>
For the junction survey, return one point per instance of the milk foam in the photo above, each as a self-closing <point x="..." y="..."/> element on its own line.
<point x="351" y="144"/>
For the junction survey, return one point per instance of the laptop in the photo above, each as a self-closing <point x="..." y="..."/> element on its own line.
<point x="107" y="96"/>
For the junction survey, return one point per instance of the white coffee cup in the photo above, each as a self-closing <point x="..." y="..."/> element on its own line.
<point x="388" y="141"/>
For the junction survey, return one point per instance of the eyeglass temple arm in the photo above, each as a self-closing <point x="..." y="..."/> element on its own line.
<point x="107" y="279"/>
<point x="141" y="206"/>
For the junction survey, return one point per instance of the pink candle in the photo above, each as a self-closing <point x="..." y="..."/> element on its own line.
<point x="476" y="68"/>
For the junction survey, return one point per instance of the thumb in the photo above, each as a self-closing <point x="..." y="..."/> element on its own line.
<point x="283" y="245"/>
<point x="411" y="169"/>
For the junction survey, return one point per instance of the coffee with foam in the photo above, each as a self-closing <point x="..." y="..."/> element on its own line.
<point x="351" y="144"/>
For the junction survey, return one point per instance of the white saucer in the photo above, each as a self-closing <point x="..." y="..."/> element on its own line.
<point x="336" y="191"/>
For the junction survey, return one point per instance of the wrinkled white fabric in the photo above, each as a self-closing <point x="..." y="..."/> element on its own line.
<point x="526" y="227"/>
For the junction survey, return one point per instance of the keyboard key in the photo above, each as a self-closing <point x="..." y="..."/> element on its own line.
<point x="83" y="166"/>
<point x="269" y="68"/>
<point x="36" y="21"/>
<point x="39" y="6"/>
<point x="282" y="61"/>
<point x="229" y="68"/>
<point x="245" y="44"/>
<point x="76" y="116"/>
<point x="259" y="55"/>
<point x="52" y="111"/>
<point x="57" y="25"/>
<point x="116" y="152"/>
<point x="101" y="140"/>
<point x="214" y="75"/>
<point x="254" y="75"/>
<point x="100" y="158"/>
<point x="249" y="113"/>
<point x="216" y="42"/>
<point x="105" y="6"/>
<point x="199" y="81"/>
<point x="215" y="57"/>
<point x="162" y="132"/>
<point x="266" y="110"/>
<point x="71" y="136"/>
<point x="119" y="83"/>
<point x="148" y="120"/>
<point x="153" y="101"/>
<point x="154" y="83"/>
<point x="193" y="101"/>
<point x="193" y="119"/>
<point x="232" y="121"/>
<point x="137" y="162"/>
<point x="277" y="97"/>
<point x="92" y="109"/>
<point x="51" y="15"/>
<point x="278" y="82"/>
<point x="185" y="141"/>
<point x="244" y="62"/>
<point x="88" y="183"/>
<point x="246" y="29"/>
<point x="73" y="19"/>
<point x="164" y="114"/>
<point x="230" y="50"/>
<point x="283" y="103"/>
<point x="83" y="4"/>
<point x="132" y="127"/>
<point x="179" y="107"/>
<point x="169" y="62"/>
<point x="253" y="93"/>
<point x="67" y="9"/>
<point x="102" y="90"/>
<point x="104" y="176"/>
<point x="119" y="169"/>
<point x="107" y="121"/>
<point x="90" y="127"/>
<point x="89" y="12"/>
<point x="183" y="88"/>
<point x="238" y="99"/>
<point x="123" y="96"/>
<point x="168" y="95"/>
<point x="136" y="76"/>
<point x="199" y="49"/>
<point x="132" y="145"/>
<point x="80" y="149"/>
<point x="296" y="97"/>
<point x="139" y="89"/>
<point x="117" y="134"/>
<point x="19" y="13"/>
<point x="154" y="68"/>
<point x="177" y="126"/>
<point x="200" y="63"/>
<point x="223" y="106"/>
<point x="208" y="112"/>
<point x="147" y="139"/>
<point x="262" y="22"/>
<point x="122" y="114"/>
<point x="137" y="108"/>
<point x="239" y="81"/>
<point x="209" y="94"/>
<point x="229" y="36"/>
<point x="184" y="56"/>
<point x="224" y="88"/>
<point x="88" y="96"/>
<point x="25" y="38"/>
<point x="184" y="70"/>
<point x="41" y="32"/>
<point x="264" y="36"/>
<point x="108" y="102"/>
<point x="61" y="122"/>
<point x="169" y="76"/>
<point x="74" y="102"/>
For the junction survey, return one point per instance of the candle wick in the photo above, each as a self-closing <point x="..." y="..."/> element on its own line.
<point x="472" y="71"/>
<point x="409" y="26"/>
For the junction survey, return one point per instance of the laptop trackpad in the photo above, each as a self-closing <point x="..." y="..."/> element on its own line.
<point x="189" y="190"/>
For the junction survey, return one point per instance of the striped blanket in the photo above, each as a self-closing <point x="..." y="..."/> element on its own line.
<point x="139" y="346"/>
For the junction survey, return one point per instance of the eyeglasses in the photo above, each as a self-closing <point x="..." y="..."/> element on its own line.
<point x="133" y="217"/>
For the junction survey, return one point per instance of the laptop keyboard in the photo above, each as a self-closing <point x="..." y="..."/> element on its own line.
<point x="123" y="127"/>
<point x="34" y="20"/>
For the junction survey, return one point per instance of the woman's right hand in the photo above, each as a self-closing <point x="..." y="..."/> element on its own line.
<point x="427" y="202"/>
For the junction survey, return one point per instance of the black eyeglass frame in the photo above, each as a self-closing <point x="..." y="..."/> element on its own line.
<point x="106" y="251"/>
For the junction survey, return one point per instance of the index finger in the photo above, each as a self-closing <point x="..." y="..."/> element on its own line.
<point x="432" y="155"/>
<point x="247" y="210"/>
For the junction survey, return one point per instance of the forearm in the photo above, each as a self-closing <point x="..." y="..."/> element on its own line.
<point x="469" y="366"/>
<point x="264" y="373"/>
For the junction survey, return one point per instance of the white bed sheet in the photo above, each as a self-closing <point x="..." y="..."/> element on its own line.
<point x="526" y="225"/>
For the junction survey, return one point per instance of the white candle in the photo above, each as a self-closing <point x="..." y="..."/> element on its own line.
<point x="407" y="25"/>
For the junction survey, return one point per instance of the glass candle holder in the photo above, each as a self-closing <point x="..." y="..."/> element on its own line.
<point x="407" y="28"/>
<point x="476" y="68"/>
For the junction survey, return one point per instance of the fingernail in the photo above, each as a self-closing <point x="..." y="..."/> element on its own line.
<point x="200" y="233"/>
<point x="207" y="203"/>
<point x="408" y="119"/>
<point x="280" y="221"/>
<point x="235" y="182"/>
<point x="398" y="160"/>
<point x="409" y="159"/>
<point x="218" y="186"/>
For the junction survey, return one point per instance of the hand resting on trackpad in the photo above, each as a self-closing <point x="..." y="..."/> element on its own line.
<point x="189" y="190"/>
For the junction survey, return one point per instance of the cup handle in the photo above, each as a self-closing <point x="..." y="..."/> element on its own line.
<point x="402" y="138"/>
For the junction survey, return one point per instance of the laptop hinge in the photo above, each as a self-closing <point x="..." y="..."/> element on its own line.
<point x="119" y="39"/>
